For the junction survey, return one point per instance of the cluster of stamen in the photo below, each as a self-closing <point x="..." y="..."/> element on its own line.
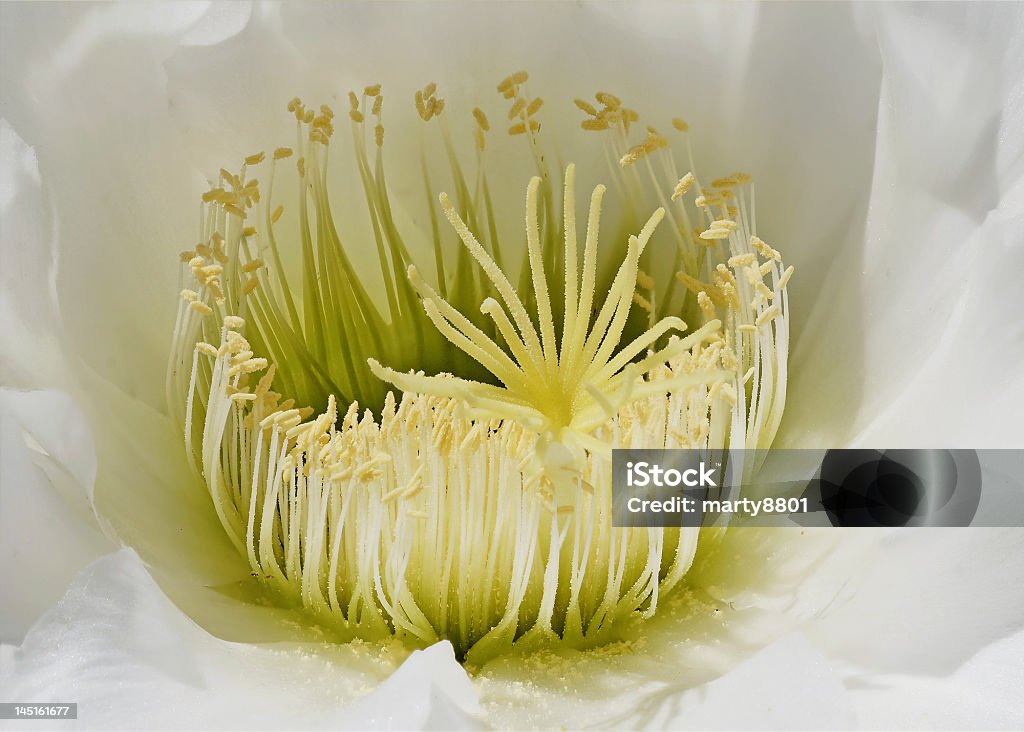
<point x="475" y="506"/>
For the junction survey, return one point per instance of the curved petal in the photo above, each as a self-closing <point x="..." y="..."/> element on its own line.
<point x="103" y="158"/>
<point x="61" y="322"/>
<point x="788" y="685"/>
<point x="29" y="350"/>
<point x="930" y="599"/>
<point x="930" y="307"/>
<point x="47" y="530"/>
<point x="984" y="693"/>
<point x="131" y="660"/>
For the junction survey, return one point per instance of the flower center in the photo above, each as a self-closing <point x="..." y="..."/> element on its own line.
<point x="475" y="506"/>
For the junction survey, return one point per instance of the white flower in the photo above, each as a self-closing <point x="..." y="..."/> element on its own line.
<point x="888" y="143"/>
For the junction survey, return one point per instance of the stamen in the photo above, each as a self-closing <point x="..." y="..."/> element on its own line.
<point x="473" y="505"/>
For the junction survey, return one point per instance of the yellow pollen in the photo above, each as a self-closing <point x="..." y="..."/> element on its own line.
<point x="764" y="250"/>
<point x="609" y="100"/>
<point x="715" y="234"/>
<point x="481" y="119"/>
<point x="586" y="107"/>
<point x="682" y="186"/>
<point x="516" y="108"/>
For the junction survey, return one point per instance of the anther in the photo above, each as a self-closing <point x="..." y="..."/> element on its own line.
<point x="768" y="315"/>
<point x="207" y="349"/>
<point x="585" y="106"/>
<point x="742" y="260"/>
<point x="682" y="186"/>
<point x="481" y="119"/>
<point x="706" y="306"/>
<point x="714" y="234"/>
<point x="764" y="250"/>
<point x="609" y="100"/>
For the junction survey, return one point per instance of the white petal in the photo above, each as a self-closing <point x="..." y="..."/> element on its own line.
<point x="116" y="645"/>
<point x="918" y="344"/>
<point x="102" y="343"/>
<point x="984" y="693"/>
<point x="931" y="599"/>
<point x="47" y="529"/>
<point x="429" y="691"/>
<point x="788" y="685"/>
<point x="28" y="303"/>
<point x="86" y="91"/>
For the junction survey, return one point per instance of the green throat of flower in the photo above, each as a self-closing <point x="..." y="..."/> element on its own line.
<point x="471" y="499"/>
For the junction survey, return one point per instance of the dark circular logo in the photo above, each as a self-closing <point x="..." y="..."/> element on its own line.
<point x="900" y="487"/>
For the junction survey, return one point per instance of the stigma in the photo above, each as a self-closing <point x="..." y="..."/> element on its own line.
<point x="427" y="453"/>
